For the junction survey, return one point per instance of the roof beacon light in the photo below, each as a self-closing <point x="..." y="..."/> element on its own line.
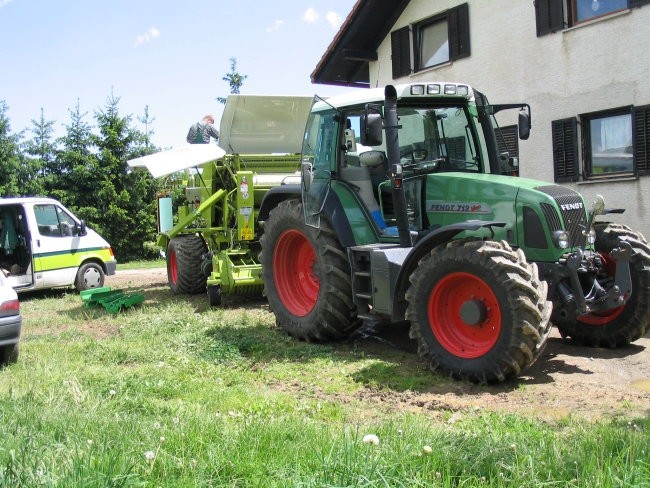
<point x="463" y="90"/>
<point x="433" y="89"/>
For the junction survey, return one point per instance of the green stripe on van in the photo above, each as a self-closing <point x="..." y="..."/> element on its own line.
<point x="50" y="261"/>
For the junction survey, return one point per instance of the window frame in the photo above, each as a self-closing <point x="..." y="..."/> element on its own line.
<point x="405" y="47"/>
<point x="418" y="29"/>
<point x="572" y="9"/>
<point x="558" y="15"/>
<point x="572" y="165"/>
<point x="587" y="154"/>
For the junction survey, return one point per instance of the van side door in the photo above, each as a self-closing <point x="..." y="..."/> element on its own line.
<point x="56" y="242"/>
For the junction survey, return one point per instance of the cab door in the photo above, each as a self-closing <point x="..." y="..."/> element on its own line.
<point x="318" y="161"/>
<point x="56" y="240"/>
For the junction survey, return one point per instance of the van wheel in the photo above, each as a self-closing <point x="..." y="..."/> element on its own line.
<point x="9" y="354"/>
<point x="90" y="275"/>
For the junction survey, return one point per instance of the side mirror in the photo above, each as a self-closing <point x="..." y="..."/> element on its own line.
<point x="306" y="175"/>
<point x="371" y="126"/>
<point x="524" y="125"/>
<point x="82" y="227"/>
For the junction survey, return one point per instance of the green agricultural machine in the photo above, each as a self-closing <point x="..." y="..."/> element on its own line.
<point x="208" y="210"/>
<point x="407" y="210"/>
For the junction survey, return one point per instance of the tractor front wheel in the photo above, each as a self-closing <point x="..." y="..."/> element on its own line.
<point x="184" y="255"/>
<point x="620" y="325"/>
<point x="478" y="310"/>
<point x="306" y="276"/>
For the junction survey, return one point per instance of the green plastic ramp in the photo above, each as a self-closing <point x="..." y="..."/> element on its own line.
<point x="111" y="300"/>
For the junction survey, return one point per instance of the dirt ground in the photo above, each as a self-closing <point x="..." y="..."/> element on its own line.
<point x="567" y="380"/>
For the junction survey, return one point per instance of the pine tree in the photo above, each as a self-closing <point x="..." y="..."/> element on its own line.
<point x="39" y="166"/>
<point x="126" y="198"/>
<point x="234" y="79"/>
<point x="10" y="155"/>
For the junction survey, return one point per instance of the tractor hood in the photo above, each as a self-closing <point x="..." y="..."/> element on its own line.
<point x="264" y="124"/>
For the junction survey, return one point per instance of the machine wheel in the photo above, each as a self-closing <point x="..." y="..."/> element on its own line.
<point x="184" y="273"/>
<point x="9" y="354"/>
<point x="306" y="276"/>
<point x="478" y="310"/>
<point x="89" y="275"/>
<point x="621" y="325"/>
<point x="214" y="295"/>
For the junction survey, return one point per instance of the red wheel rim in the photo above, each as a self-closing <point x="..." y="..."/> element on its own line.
<point x="173" y="269"/>
<point x="444" y="312"/>
<point x="293" y="263"/>
<point x="606" y="316"/>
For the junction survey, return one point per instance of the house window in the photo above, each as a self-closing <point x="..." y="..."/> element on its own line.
<point x="614" y="143"/>
<point x="557" y="15"/>
<point x="433" y="41"/>
<point x="608" y="144"/>
<point x="584" y="10"/>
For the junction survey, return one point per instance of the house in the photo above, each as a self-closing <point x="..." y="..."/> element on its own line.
<point x="582" y="65"/>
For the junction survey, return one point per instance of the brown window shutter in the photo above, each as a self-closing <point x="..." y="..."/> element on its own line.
<point x="508" y="141"/>
<point x="458" y="26"/>
<point x="549" y="16"/>
<point x="400" y="45"/>
<point x="565" y="150"/>
<point x="641" y="139"/>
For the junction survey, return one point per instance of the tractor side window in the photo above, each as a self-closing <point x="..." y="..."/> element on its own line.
<point x="320" y="149"/>
<point x="319" y="145"/>
<point x="53" y="221"/>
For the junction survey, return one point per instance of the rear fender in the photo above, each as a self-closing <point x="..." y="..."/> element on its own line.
<point x="424" y="245"/>
<point x="332" y="210"/>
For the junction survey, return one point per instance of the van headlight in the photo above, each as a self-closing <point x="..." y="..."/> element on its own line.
<point x="561" y="238"/>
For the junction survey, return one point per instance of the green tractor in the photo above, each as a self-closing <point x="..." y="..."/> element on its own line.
<point x="407" y="211"/>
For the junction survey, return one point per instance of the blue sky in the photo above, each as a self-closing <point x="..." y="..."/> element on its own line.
<point x="167" y="55"/>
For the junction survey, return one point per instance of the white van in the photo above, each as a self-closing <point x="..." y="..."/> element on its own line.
<point x="43" y="245"/>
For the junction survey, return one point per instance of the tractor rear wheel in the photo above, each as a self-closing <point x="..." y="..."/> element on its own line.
<point x="184" y="256"/>
<point x="620" y="325"/>
<point x="306" y="276"/>
<point x="478" y="310"/>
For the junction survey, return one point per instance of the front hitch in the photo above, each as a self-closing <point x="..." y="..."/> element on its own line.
<point x="598" y="299"/>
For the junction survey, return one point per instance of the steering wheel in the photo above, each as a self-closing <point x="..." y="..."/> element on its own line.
<point x="417" y="155"/>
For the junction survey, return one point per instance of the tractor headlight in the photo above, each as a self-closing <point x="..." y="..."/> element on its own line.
<point x="591" y="236"/>
<point x="561" y="239"/>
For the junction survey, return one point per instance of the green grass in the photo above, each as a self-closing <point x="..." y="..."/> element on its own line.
<point x="143" y="264"/>
<point x="174" y="394"/>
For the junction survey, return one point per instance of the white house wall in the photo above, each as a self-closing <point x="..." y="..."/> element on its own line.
<point x="596" y="66"/>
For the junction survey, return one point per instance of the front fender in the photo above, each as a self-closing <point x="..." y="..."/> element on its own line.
<point x="423" y="246"/>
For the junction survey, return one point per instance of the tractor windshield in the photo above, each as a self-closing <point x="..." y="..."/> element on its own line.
<point x="438" y="139"/>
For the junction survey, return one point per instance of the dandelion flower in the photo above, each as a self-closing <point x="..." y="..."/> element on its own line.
<point x="371" y="439"/>
<point x="162" y="439"/>
<point x="149" y="455"/>
<point x="89" y="442"/>
<point x="112" y="393"/>
<point x="427" y="450"/>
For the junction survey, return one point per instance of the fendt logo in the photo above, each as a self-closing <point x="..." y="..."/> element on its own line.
<point x="571" y="206"/>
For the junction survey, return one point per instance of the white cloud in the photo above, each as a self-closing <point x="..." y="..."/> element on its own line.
<point x="148" y="36"/>
<point x="310" y="15"/>
<point x="276" y="25"/>
<point x="4" y="3"/>
<point x="333" y="19"/>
